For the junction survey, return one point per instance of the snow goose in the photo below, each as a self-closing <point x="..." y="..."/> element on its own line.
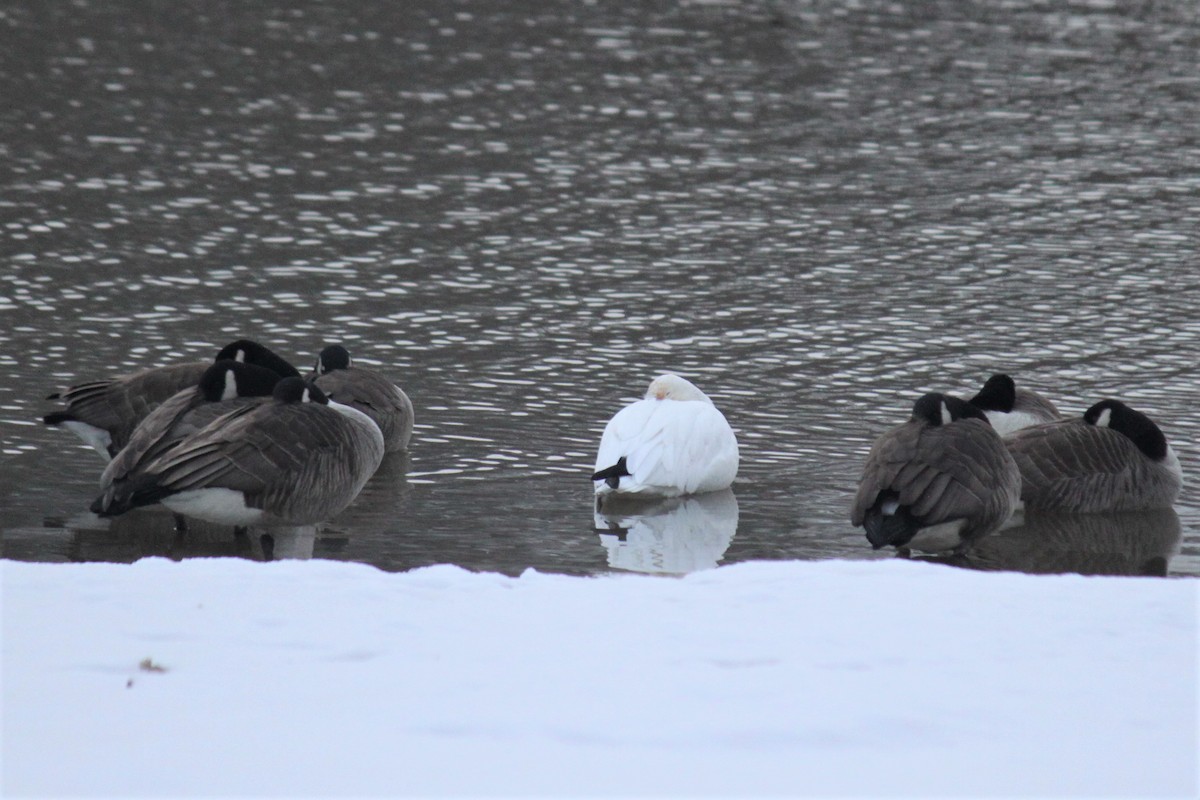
<point x="1112" y="459"/>
<point x="294" y="461"/>
<point x="672" y="442"/>
<point x="369" y="392"/>
<point x="939" y="480"/>
<point x="225" y="386"/>
<point x="1009" y="408"/>
<point x="104" y="413"/>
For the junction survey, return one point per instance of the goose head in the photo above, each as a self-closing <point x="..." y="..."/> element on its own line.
<point x="332" y="357"/>
<point x="250" y="352"/>
<point x="298" y="390"/>
<point x="999" y="393"/>
<point x="227" y="379"/>
<point x="1135" y="425"/>
<point x="673" y="387"/>
<point x="942" y="409"/>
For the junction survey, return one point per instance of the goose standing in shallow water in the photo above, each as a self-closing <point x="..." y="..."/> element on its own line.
<point x="672" y="442"/>
<point x="225" y="386"/>
<point x="1009" y="408"/>
<point x="294" y="461"/>
<point x="105" y="413"/>
<point x="369" y="392"/>
<point x="941" y="479"/>
<point x="1112" y="459"/>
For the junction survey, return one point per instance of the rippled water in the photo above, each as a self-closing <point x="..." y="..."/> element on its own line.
<point x="523" y="211"/>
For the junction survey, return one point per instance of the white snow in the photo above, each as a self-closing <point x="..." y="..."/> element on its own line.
<point x="769" y="678"/>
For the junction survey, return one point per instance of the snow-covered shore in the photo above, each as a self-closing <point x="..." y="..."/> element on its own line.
<point x="769" y="678"/>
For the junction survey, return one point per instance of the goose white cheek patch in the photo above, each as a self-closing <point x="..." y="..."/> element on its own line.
<point x="947" y="417"/>
<point x="1104" y="419"/>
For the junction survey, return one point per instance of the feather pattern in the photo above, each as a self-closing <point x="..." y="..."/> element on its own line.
<point x="292" y="463"/>
<point x="673" y="442"/>
<point x="105" y="413"/>
<point x="369" y="392"/>
<point x="118" y="405"/>
<point x="224" y="386"/>
<point x="1072" y="465"/>
<point x="929" y="474"/>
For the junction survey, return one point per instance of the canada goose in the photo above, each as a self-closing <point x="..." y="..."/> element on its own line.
<point x="294" y="461"/>
<point x="225" y="386"/>
<point x="1112" y="459"/>
<point x="941" y="479"/>
<point x="1009" y="408"/>
<point x="104" y="413"/>
<point x="369" y="392"/>
<point x="672" y="442"/>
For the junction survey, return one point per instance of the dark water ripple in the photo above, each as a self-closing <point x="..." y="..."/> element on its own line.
<point x="523" y="212"/>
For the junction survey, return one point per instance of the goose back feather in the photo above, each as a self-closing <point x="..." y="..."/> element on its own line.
<point x="225" y="386"/>
<point x="288" y="462"/>
<point x="672" y="442"/>
<point x="1112" y="459"/>
<point x="105" y="413"/>
<point x="369" y="392"/>
<point x="945" y="472"/>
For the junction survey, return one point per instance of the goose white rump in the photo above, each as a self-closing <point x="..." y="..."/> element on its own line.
<point x="672" y="442"/>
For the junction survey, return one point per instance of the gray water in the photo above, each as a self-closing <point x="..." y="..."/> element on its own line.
<point x="523" y="211"/>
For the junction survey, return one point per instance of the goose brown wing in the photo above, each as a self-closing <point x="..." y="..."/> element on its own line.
<point x="184" y="414"/>
<point x="147" y="436"/>
<point x="290" y="447"/>
<point x="975" y="478"/>
<point x="1075" y="466"/>
<point x="892" y="455"/>
<point x="118" y="405"/>
<point x="940" y="472"/>
<point x="375" y="396"/>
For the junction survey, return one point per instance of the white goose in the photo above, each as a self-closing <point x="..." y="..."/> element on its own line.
<point x="672" y="442"/>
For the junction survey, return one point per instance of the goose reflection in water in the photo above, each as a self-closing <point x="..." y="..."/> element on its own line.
<point x="153" y="532"/>
<point x="1128" y="543"/>
<point x="673" y="535"/>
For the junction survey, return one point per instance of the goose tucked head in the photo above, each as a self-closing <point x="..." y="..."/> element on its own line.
<point x="250" y="352"/>
<point x="332" y="357"/>
<point x="998" y="394"/>
<point x="298" y="390"/>
<point x="942" y="409"/>
<point x="228" y="379"/>
<point x="673" y="387"/>
<point x="1135" y="425"/>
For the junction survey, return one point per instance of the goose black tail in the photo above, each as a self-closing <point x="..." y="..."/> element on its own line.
<point x="895" y="527"/>
<point x="126" y="496"/>
<point x="58" y="417"/>
<point x="612" y="475"/>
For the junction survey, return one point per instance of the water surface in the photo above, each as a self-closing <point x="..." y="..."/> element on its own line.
<point x="522" y="212"/>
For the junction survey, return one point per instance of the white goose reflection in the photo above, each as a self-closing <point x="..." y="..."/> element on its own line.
<point x="673" y="535"/>
<point x="1129" y="543"/>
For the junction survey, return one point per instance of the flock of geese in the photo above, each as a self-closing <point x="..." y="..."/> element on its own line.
<point x="243" y="440"/>
<point x="954" y="472"/>
<point x="246" y="440"/>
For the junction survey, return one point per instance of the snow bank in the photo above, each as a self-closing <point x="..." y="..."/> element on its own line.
<point x="795" y="678"/>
